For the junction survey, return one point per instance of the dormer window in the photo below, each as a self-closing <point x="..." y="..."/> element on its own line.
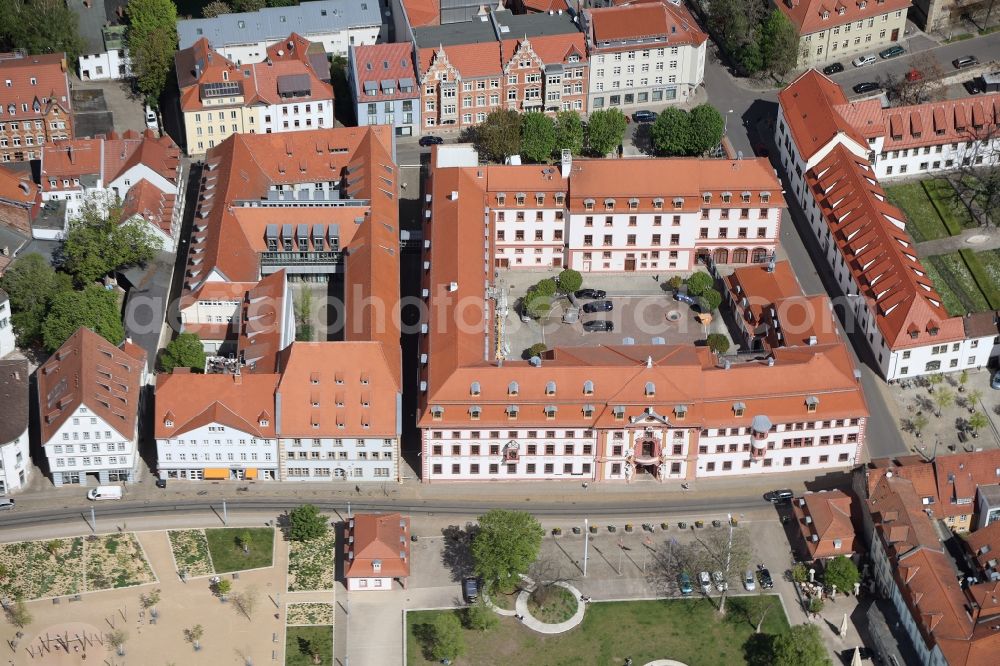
<point x="519" y="197"/>
<point x="512" y="388"/>
<point x="512" y="411"/>
<point x="811" y="403"/>
<point x="933" y="330"/>
<point x="550" y="411"/>
<point x="588" y="387"/>
<point x="609" y="204"/>
<point x="826" y="14"/>
<point x="678" y="203"/>
<point x="619" y="412"/>
<point x="746" y="197"/>
<point x="475" y="412"/>
<point x="765" y="197"/>
<point x="263" y="423"/>
<point x="550" y="388"/>
<point x="727" y="197"/>
<point x="706" y="197"/>
<point x="474" y="389"/>
<point x="560" y="198"/>
<point x="680" y="411"/>
<point x="501" y="198"/>
<point x="650" y="389"/>
<point x="739" y="408"/>
<point x="633" y="203"/>
<point x="539" y="198"/>
<point x="658" y="203"/>
<point x="588" y="204"/>
<point x="588" y="411"/>
<point x="437" y="412"/>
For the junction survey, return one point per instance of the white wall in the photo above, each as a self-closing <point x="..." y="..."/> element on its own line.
<point x="681" y="68"/>
<point x="334" y="43"/>
<point x="529" y="252"/>
<point x="272" y="118"/>
<point x="365" y="584"/>
<point x="15" y="461"/>
<point x="7" y="339"/>
<point x="87" y="443"/>
<point x="109" y="63"/>
<point x="340" y="459"/>
<point x="215" y="446"/>
<point x="933" y="159"/>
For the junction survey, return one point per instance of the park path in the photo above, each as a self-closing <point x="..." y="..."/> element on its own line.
<point x="961" y="242"/>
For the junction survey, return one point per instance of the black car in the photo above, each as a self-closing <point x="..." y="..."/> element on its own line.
<point x="776" y="496"/>
<point x="599" y="326"/>
<point x="833" y="69"/>
<point x="764" y="576"/>
<point x="430" y="140"/>
<point x="598" y="306"/>
<point x="470" y="589"/>
<point x="591" y="293"/>
<point x="644" y="116"/>
<point x="975" y="86"/>
<point x="866" y="86"/>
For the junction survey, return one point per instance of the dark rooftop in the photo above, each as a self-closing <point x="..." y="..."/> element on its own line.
<point x="453" y="34"/>
<point x="515" y="26"/>
<point x="14" y="398"/>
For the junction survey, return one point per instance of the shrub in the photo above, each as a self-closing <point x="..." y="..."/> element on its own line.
<point x="718" y="343"/>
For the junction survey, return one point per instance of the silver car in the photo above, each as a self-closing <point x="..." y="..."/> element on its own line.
<point x="720" y="581"/>
<point x="748" y="581"/>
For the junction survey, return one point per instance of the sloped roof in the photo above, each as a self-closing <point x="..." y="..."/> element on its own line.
<point x="382" y="538"/>
<point x="661" y="21"/>
<point x="109" y="157"/>
<point x="89" y="370"/>
<point x="51" y="83"/>
<point x="422" y="12"/>
<point x="809" y="105"/>
<point x="191" y="401"/>
<point x="470" y="60"/>
<point x="810" y="16"/>
<point x="17" y="188"/>
<point x="261" y="326"/>
<point x="383" y="62"/>
<point x="831" y="520"/>
<point x="151" y="204"/>
<point x="14" y="376"/>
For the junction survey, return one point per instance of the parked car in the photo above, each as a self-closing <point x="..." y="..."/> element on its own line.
<point x="591" y="293"/>
<point x="599" y="326"/>
<point x="748" y="581"/>
<point x="833" y="68"/>
<point x="720" y="581"/>
<point x="644" y="116"/>
<point x="779" y="496"/>
<point x="6" y="504"/>
<point x="684" y="298"/>
<point x="105" y="493"/>
<point x="866" y="87"/>
<point x="598" y="306"/>
<point x="965" y="61"/>
<point x="764" y="576"/>
<point x="995" y="382"/>
<point x="151" y="121"/>
<point x="705" y="581"/>
<point x="470" y="589"/>
<point x="684" y="583"/>
<point x="914" y="75"/>
<point x="891" y="52"/>
<point x="430" y="140"/>
<point x="975" y="86"/>
<point x="861" y="61"/>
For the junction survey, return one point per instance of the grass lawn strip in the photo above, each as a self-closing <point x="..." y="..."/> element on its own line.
<point x="115" y="560"/>
<point x="955" y="274"/>
<point x="948" y="205"/>
<point x="686" y="630"/>
<point x="978" y="272"/>
<point x="227" y="552"/>
<point x="990" y="259"/>
<point x="310" y="564"/>
<point x="40" y="569"/>
<point x="952" y="303"/>
<point x="308" y="614"/>
<point x="922" y="219"/>
<point x="299" y="639"/>
<point x="191" y="555"/>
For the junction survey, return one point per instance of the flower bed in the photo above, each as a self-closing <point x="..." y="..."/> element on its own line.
<point x="115" y="560"/>
<point x="310" y="564"/>
<point x="36" y="569"/>
<point x="308" y="614"/>
<point x="552" y="604"/>
<point x="190" y="548"/>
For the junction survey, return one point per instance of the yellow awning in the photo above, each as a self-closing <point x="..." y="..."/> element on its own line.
<point x="250" y="473"/>
<point x="216" y="473"/>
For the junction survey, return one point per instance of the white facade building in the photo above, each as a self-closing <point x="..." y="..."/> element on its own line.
<point x="7" y="340"/>
<point x="15" y="463"/>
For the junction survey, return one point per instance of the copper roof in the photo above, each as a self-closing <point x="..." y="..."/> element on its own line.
<point x="377" y="538"/>
<point x="89" y="370"/>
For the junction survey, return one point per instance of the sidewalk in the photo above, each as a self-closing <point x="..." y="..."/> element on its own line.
<point x="977" y="239"/>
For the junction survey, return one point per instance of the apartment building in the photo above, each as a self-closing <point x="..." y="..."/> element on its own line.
<point x="890" y="297"/>
<point x="285" y="93"/>
<point x="384" y="87"/>
<point x="90" y="394"/>
<point x="524" y="63"/>
<point x="645" y="53"/>
<point x="826" y="522"/>
<point x="101" y="26"/>
<point x="142" y="173"/>
<point x="607" y="413"/>
<point x="376" y="551"/>
<point x="35" y="104"/>
<point x="845" y="29"/>
<point x="244" y="37"/>
<point x="15" y="462"/>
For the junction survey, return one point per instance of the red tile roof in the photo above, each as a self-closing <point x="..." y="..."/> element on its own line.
<point x="89" y="370"/>
<point x="663" y="21"/>
<point x="109" y="157"/>
<point x="383" y="62"/>
<point x="261" y="336"/>
<point x="831" y="517"/>
<point x="381" y="538"/>
<point x="151" y="204"/>
<point x="50" y="87"/>
<point x="935" y="123"/>
<point x="422" y="13"/>
<point x="809" y="106"/>
<point x="191" y="401"/>
<point x="471" y="60"/>
<point x="810" y="16"/>
<point x="17" y="188"/>
<point x="984" y="545"/>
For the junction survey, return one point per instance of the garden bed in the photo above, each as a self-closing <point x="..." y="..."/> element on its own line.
<point x="226" y="548"/>
<point x="311" y="563"/>
<point x="308" y="614"/>
<point x="37" y="569"/>
<point x="115" y="560"/>
<point x="302" y="642"/>
<point x="552" y="605"/>
<point x="191" y="555"/>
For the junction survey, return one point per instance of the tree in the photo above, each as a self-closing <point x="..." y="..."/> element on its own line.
<point x="117" y="639"/>
<point x="94" y="308"/>
<point x="505" y="546"/>
<point x="536" y="349"/>
<point x="671" y="132"/>
<point x="303" y="314"/>
<point x="97" y="242"/>
<point x="800" y="573"/>
<point x="151" y="37"/>
<point x="246" y="601"/>
<point x="675" y="282"/>
<point x="605" y="131"/>
<point x="749" y="57"/>
<point x="184" y="351"/>
<point x="840" y="571"/>
<point x="569" y="132"/>
<point x="923" y="82"/>
<point x="918" y="423"/>
<point x="546" y="287"/>
<point x="223" y="587"/>
<point x="245" y="540"/>
<point x="32" y="283"/>
<point x="536" y="304"/>
<point x="972" y="398"/>
<point x="718" y="343"/>
<point x="758" y="606"/>
<point x="977" y="422"/>
<point x="816" y="605"/>
<point x="40" y="26"/>
<point x="499" y="136"/>
<point x="538" y="136"/>
<point x="193" y="635"/>
<point x="480" y="617"/>
<point x="710" y="551"/>
<point x="282" y="3"/>
<point x="19" y="613"/>
<point x="705" y="127"/>
<point x="305" y="523"/>
<point x="699" y="283"/>
<point x="802" y="645"/>
<point x="779" y="44"/>
<point x="569" y="280"/>
<point x="447" y="641"/>
<point x="710" y="299"/>
<point x="215" y="8"/>
<point x="150" y="600"/>
<point x="249" y="5"/>
<point x="943" y="399"/>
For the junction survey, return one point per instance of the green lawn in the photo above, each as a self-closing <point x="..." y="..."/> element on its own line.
<point x="685" y="630"/>
<point x="991" y="264"/>
<point x="950" y="300"/>
<point x="228" y="555"/>
<point x="298" y="641"/>
<point x="922" y="220"/>
<point x="949" y="206"/>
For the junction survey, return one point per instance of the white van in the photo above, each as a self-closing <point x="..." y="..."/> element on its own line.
<point x="151" y="121"/>
<point x="105" y="493"/>
<point x="861" y="61"/>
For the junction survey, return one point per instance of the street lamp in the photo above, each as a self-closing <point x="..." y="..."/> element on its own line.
<point x="725" y="124"/>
